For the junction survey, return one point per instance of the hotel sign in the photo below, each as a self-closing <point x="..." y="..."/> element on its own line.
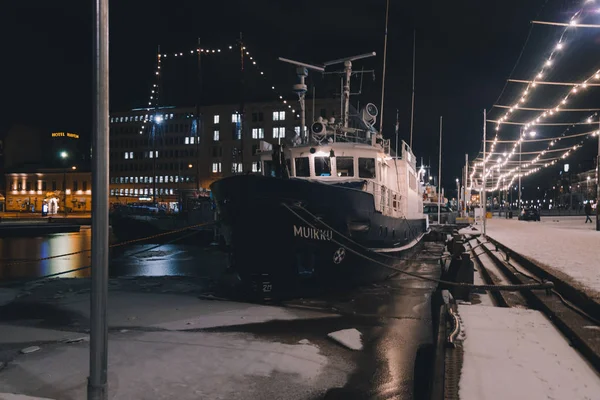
<point x="65" y="134"/>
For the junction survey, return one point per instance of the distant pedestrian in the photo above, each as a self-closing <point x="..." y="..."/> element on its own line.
<point x="588" y="212"/>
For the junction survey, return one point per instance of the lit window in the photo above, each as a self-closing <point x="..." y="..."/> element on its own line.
<point x="136" y="179"/>
<point x="236" y="167"/>
<point x="136" y="191"/>
<point x="278" y="115"/>
<point x="192" y="140"/>
<point x="160" y="179"/>
<point x="137" y="117"/>
<point x="297" y="130"/>
<point x="151" y="154"/>
<point x="126" y="155"/>
<point x="216" y="119"/>
<point x="216" y="135"/>
<point x="256" y="166"/>
<point x="112" y="119"/>
<point x="121" y="120"/>
<point x="278" y="132"/>
<point x="131" y="155"/>
<point x="112" y="192"/>
<point x="236" y="118"/>
<point x="258" y="133"/>
<point x="216" y="167"/>
<point x="171" y="116"/>
<point x="171" y="191"/>
<point x="156" y="154"/>
<point x="187" y="140"/>
<point x="127" y="192"/>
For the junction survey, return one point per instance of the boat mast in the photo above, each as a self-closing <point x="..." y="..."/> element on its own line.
<point x="387" y="10"/>
<point x="348" y="72"/>
<point x="198" y="121"/>
<point x="412" y="107"/>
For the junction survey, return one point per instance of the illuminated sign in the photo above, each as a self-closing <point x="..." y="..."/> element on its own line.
<point x="566" y="167"/>
<point x="65" y="134"/>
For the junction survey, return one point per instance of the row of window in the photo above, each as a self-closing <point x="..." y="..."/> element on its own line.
<point x="44" y="186"/>
<point x="235" y="117"/>
<point x="150" y="179"/>
<point x="257" y="133"/>
<point x="236" y="167"/>
<point x="142" y="191"/>
<point x="150" y="117"/>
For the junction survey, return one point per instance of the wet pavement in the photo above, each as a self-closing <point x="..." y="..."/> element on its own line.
<point x="25" y="258"/>
<point x="394" y="318"/>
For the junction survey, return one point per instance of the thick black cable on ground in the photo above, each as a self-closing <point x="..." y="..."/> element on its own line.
<point x="547" y="285"/>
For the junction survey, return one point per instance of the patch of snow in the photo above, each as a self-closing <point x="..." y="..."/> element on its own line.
<point x="350" y="338"/>
<point x="569" y="246"/>
<point x="593" y="327"/>
<point x="514" y="353"/>
<point x="182" y="365"/>
<point x="78" y="339"/>
<point x="30" y="349"/>
<point x="304" y="341"/>
<point x="12" y="396"/>
<point x="473" y="230"/>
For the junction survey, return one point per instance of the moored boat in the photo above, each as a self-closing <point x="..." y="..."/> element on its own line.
<point x="325" y="212"/>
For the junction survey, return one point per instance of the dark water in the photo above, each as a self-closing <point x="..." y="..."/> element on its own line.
<point x="20" y="258"/>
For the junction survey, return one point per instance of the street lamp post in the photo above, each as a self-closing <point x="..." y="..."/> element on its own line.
<point x="458" y="207"/>
<point x="64" y="155"/>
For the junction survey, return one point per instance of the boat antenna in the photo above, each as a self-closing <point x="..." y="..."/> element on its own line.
<point x="348" y="72"/>
<point x="387" y="10"/>
<point x="412" y="107"/>
<point x="300" y="89"/>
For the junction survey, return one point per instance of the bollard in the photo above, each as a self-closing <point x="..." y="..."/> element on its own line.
<point x="464" y="274"/>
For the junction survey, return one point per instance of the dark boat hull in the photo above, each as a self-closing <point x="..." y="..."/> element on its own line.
<point x="289" y="235"/>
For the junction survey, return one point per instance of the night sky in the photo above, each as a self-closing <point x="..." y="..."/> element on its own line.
<point x="465" y="51"/>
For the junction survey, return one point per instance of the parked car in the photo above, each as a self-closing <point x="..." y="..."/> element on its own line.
<point x="447" y="215"/>
<point x="529" y="214"/>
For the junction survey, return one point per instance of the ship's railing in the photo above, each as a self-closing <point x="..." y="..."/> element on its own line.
<point x="387" y="201"/>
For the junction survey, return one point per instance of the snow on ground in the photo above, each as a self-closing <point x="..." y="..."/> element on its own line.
<point x="160" y="356"/>
<point x="162" y="365"/>
<point x="565" y="244"/>
<point x="350" y="338"/>
<point x="516" y="354"/>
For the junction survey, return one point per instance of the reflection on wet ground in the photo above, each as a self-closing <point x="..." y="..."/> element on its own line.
<point x="23" y="258"/>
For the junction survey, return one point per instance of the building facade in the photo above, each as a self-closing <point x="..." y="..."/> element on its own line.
<point x="57" y="188"/>
<point x="157" y="154"/>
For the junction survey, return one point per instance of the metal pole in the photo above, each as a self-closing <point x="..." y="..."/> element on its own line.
<point x="348" y="70"/>
<point x="465" y="181"/>
<point x="412" y="107"/>
<point x="97" y="388"/>
<point x="199" y="124"/>
<point x="387" y="9"/>
<point x="440" y="176"/>
<point x="520" y="173"/>
<point x="397" y="128"/>
<point x="483" y="179"/>
<point x="598" y="183"/>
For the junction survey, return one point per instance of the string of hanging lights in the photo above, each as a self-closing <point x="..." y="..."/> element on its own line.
<point x="531" y="85"/>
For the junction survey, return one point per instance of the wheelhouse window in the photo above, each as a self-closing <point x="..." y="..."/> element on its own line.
<point x="322" y="166"/>
<point x="344" y="166"/>
<point x="302" y="166"/>
<point x="366" y="167"/>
